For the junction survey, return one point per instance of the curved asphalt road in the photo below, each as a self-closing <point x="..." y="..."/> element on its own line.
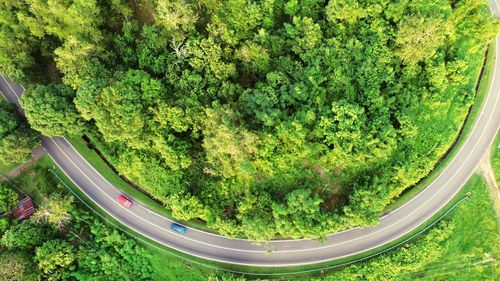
<point x="285" y="252"/>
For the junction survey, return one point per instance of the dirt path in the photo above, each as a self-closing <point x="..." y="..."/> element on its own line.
<point x="488" y="174"/>
<point x="37" y="153"/>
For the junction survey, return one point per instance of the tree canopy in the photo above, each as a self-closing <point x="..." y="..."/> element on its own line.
<point x="262" y="118"/>
<point x="17" y="140"/>
<point x="26" y="236"/>
<point x="54" y="255"/>
<point x="50" y="110"/>
<point x="8" y="198"/>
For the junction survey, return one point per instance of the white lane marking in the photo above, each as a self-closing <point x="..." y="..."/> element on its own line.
<point x="142" y="219"/>
<point x="8" y="84"/>
<point x="494" y="9"/>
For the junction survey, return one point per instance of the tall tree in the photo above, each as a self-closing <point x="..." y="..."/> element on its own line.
<point x="17" y="140"/>
<point x="26" y="236"/>
<point x="121" y="109"/>
<point x="50" y="110"/>
<point x="22" y="56"/>
<point x="53" y="257"/>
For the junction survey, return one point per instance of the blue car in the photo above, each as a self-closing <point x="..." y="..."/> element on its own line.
<point x="177" y="227"/>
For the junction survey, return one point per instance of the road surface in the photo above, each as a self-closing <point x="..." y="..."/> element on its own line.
<point x="284" y="252"/>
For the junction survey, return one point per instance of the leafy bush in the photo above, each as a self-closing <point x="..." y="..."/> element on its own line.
<point x="26" y="236"/>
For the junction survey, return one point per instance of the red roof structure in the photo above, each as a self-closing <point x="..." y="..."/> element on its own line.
<point x="24" y="209"/>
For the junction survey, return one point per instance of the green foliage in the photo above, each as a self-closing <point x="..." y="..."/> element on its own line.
<point x="8" y="198"/>
<point x="16" y="139"/>
<point x="232" y="20"/>
<point x="83" y="249"/>
<point x="206" y="56"/>
<point x="175" y="17"/>
<point x="75" y="25"/>
<point x="62" y="19"/>
<point x="221" y="276"/>
<point x="4" y="224"/>
<point x="120" y="109"/>
<point x="228" y="148"/>
<point x="186" y="208"/>
<point x="54" y="210"/>
<point x="317" y="112"/>
<point x="345" y="10"/>
<point x="16" y="60"/>
<point x="26" y="236"/>
<point x="418" y="38"/>
<point x="53" y="257"/>
<point x="434" y="255"/>
<point x="17" y="266"/>
<point x="38" y="181"/>
<point x="108" y="254"/>
<point x="300" y="215"/>
<point x="51" y="111"/>
<point x="254" y="59"/>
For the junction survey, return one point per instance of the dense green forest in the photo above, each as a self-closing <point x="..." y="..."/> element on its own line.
<point x="17" y="140"/>
<point x="265" y="119"/>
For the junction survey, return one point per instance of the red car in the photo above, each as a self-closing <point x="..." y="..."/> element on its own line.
<point x="125" y="201"/>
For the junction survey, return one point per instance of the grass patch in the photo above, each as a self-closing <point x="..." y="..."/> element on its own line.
<point x="36" y="181"/>
<point x="495" y="158"/>
<point x="474" y="239"/>
<point x="166" y="267"/>
<point x="4" y="169"/>
<point x="482" y="91"/>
